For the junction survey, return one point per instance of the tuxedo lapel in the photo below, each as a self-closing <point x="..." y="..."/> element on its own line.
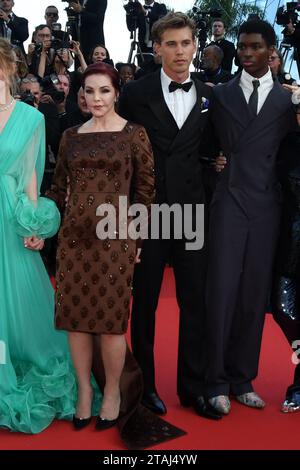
<point x="193" y="120"/>
<point x="158" y="105"/>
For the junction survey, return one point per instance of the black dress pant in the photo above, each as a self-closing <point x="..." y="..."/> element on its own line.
<point x="190" y="272"/>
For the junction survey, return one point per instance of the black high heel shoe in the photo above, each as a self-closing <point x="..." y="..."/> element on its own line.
<point x="102" y="423"/>
<point x="80" y="423"/>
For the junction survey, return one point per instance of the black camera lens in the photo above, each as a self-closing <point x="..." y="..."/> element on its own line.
<point x="28" y="98"/>
<point x="48" y="85"/>
<point x="38" y="47"/>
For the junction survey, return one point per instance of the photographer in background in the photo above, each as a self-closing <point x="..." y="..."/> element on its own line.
<point x="12" y="27"/>
<point x="52" y="17"/>
<point x="74" y="118"/>
<point x="90" y="19"/>
<point x="143" y="17"/>
<point x="218" y="30"/>
<point x="292" y="33"/>
<point x="213" y="72"/>
<point x="277" y="69"/>
<point x="40" y="51"/>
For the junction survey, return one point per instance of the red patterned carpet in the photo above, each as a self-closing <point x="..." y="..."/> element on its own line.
<point x="242" y="429"/>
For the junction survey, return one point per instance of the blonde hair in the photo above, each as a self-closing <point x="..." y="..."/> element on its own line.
<point x="172" y="20"/>
<point x="8" y="62"/>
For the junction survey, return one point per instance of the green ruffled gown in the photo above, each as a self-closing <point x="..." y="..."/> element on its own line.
<point x="37" y="381"/>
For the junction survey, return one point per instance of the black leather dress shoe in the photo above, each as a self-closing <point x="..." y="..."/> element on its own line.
<point x="80" y="423"/>
<point x="154" y="403"/>
<point x="102" y="423"/>
<point x="201" y="406"/>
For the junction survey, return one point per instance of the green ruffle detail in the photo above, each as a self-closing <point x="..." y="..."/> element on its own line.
<point x="41" y="218"/>
<point x="41" y="396"/>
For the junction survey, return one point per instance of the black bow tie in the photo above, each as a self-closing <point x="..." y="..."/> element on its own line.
<point x="148" y="7"/>
<point x="180" y="86"/>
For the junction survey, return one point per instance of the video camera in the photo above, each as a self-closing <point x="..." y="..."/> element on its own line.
<point x="289" y="14"/>
<point x="48" y="85"/>
<point x="202" y="20"/>
<point x="133" y="7"/>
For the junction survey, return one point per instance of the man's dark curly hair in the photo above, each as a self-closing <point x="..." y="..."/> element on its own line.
<point x="259" y="27"/>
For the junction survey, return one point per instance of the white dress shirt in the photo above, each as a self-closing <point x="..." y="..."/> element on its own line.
<point x="180" y="102"/>
<point x="266" y="85"/>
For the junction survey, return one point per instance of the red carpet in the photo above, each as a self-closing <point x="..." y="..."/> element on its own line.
<point x="244" y="428"/>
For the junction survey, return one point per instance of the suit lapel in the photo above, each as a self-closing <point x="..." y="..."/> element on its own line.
<point x="158" y="105"/>
<point x="275" y="104"/>
<point x="232" y="98"/>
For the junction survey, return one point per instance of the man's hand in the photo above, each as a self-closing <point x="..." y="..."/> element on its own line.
<point x="34" y="243"/>
<point x="46" y="99"/>
<point x="4" y="16"/>
<point x="138" y="256"/>
<point x="295" y="90"/>
<point x="220" y="162"/>
<point x="76" y="7"/>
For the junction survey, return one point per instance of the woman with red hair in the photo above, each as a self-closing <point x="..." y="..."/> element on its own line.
<point x="103" y="159"/>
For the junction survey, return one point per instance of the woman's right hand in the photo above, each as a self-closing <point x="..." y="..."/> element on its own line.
<point x="34" y="243"/>
<point x="75" y="47"/>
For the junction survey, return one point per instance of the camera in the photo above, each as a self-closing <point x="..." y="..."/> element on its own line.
<point x="48" y="85"/>
<point x="133" y="8"/>
<point x="202" y="18"/>
<point x="28" y="98"/>
<point x="38" y="47"/>
<point x="289" y="14"/>
<point x="57" y="44"/>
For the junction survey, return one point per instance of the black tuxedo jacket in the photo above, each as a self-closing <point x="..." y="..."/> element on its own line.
<point x="19" y="29"/>
<point x="177" y="152"/>
<point x="92" y="19"/>
<point x="251" y="144"/>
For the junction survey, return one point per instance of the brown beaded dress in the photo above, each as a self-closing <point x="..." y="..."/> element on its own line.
<point x="94" y="276"/>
